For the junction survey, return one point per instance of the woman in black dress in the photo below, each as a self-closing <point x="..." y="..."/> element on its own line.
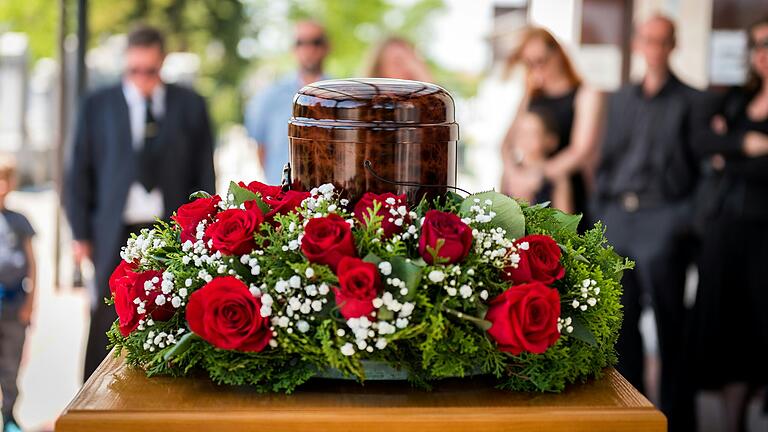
<point x="731" y="311"/>
<point x="554" y="87"/>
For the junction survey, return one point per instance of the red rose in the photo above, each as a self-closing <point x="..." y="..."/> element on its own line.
<point x="539" y="261"/>
<point x="232" y="231"/>
<point x="359" y="284"/>
<point x="267" y="192"/>
<point x="456" y="237"/>
<point x="189" y="215"/>
<point x="124" y="269"/>
<point x="286" y="203"/>
<point x="524" y="318"/>
<point x="131" y="286"/>
<point x="327" y="240"/>
<point x="278" y="201"/>
<point x="388" y="212"/>
<point x="227" y="315"/>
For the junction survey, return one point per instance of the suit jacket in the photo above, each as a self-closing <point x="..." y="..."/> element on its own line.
<point x="102" y="165"/>
<point x="672" y="167"/>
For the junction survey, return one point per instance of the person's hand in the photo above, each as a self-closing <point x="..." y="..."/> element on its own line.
<point x="25" y="312"/>
<point x="719" y="125"/>
<point x="82" y="250"/>
<point x="525" y="182"/>
<point x="717" y="162"/>
<point x="755" y="144"/>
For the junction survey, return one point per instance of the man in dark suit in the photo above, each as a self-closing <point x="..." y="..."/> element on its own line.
<point x="140" y="149"/>
<point x="644" y="194"/>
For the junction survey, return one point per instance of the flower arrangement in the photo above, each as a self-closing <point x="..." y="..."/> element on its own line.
<point x="270" y="288"/>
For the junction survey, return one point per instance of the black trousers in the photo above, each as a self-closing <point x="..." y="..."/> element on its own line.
<point x="662" y="246"/>
<point x="102" y="316"/>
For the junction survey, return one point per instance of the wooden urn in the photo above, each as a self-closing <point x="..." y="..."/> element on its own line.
<point x="374" y="135"/>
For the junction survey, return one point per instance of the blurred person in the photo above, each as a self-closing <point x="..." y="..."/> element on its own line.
<point x="535" y="139"/>
<point x="730" y="320"/>
<point x="17" y="291"/>
<point x="398" y="58"/>
<point x="140" y="148"/>
<point x="552" y="85"/>
<point x="268" y="112"/>
<point x="644" y="190"/>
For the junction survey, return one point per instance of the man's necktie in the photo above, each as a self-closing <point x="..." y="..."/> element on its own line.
<point x="149" y="154"/>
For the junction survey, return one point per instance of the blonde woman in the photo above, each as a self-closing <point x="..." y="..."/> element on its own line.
<point x="396" y="57"/>
<point x="553" y="86"/>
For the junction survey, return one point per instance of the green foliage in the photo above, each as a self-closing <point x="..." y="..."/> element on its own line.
<point x="509" y="216"/>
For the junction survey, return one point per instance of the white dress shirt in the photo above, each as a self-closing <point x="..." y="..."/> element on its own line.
<point x="141" y="206"/>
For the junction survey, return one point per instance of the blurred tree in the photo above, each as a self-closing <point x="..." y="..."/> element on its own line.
<point x="355" y="26"/>
<point x="37" y="18"/>
<point x="214" y="29"/>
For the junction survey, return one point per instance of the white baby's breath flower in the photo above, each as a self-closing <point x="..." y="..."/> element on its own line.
<point x="347" y="349"/>
<point x="385" y="267"/>
<point x="436" y="276"/>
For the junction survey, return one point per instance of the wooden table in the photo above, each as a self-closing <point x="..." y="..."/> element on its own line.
<point x="119" y="398"/>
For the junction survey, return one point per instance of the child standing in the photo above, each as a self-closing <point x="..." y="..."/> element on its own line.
<point x="17" y="288"/>
<point x="535" y="139"/>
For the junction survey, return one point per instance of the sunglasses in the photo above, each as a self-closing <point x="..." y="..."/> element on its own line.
<point x="759" y="45"/>
<point x="147" y="72"/>
<point x="316" y="42"/>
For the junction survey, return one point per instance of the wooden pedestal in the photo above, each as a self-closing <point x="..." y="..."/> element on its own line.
<point x="119" y="398"/>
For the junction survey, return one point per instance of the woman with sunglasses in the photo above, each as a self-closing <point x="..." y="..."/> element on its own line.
<point x="731" y="311"/>
<point x="553" y="86"/>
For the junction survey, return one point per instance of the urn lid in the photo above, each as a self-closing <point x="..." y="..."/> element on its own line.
<point x="342" y="108"/>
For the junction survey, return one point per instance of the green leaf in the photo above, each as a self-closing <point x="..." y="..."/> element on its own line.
<point x="199" y="194"/>
<point x="372" y="258"/>
<point x="452" y="197"/>
<point x="508" y="213"/>
<point x="241" y="195"/>
<point x="408" y="272"/>
<point x="577" y="256"/>
<point x="181" y="346"/>
<point x="384" y="314"/>
<point x="566" y="222"/>
<point x="482" y="323"/>
<point x="582" y="332"/>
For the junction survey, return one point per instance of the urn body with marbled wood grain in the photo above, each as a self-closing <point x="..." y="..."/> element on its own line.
<point x="406" y="129"/>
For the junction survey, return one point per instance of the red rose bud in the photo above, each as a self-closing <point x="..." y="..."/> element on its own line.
<point x="286" y="203"/>
<point x="278" y="201"/>
<point x="524" y="318"/>
<point x="232" y="231"/>
<point x="539" y="261"/>
<point x="225" y="314"/>
<point x="388" y="211"/>
<point x="327" y="240"/>
<point x="267" y="192"/>
<point x="130" y="287"/>
<point x="359" y="284"/>
<point x="448" y="229"/>
<point x="191" y="214"/>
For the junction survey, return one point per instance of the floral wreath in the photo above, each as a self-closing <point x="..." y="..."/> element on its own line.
<point x="270" y="288"/>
